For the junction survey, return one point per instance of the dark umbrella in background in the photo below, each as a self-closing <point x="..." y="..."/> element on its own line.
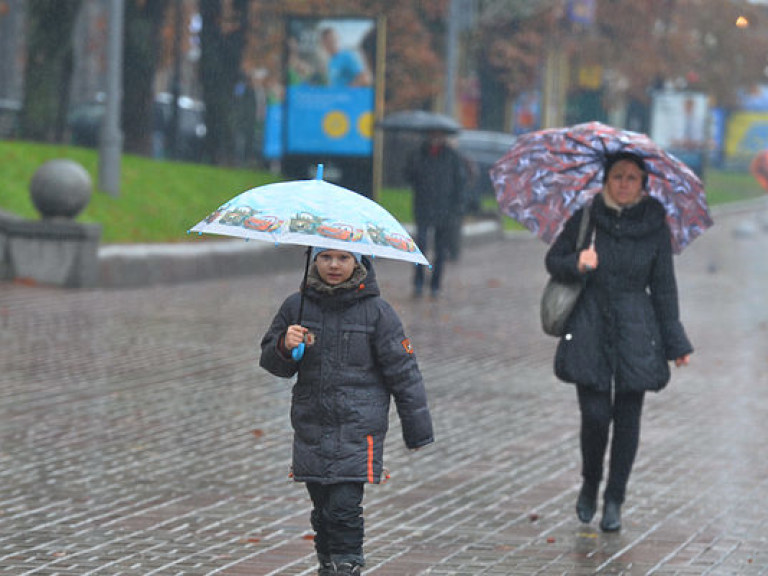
<point x="419" y="121"/>
<point x="548" y="174"/>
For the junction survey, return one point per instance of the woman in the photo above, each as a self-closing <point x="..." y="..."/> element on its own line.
<point x="624" y="329"/>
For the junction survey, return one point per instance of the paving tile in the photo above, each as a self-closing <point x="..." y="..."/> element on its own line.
<point x="138" y="435"/>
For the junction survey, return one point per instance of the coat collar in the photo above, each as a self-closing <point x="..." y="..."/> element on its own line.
<point x="641" y="219"/>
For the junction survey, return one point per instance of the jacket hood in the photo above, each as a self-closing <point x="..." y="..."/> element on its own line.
<point x="361" y="284"/>
<point x="644" y="218"/>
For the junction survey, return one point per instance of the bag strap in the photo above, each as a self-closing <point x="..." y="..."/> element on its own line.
<point x="583" y="225"/>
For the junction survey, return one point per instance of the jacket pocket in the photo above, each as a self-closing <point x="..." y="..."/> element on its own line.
<point x="642" y="365"/>
<point x="356" y="346"/>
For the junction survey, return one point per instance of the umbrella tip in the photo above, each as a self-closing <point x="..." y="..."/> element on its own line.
<point x="319" y="172"/>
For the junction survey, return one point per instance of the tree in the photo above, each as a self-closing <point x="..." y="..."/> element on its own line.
<point x="141" y="52"/>
<point x="48" y="70"/>
<point x="692" y="44"/>
<point x="223" y="37"/>
<point x="710" y="51"/>
<point x="508" y="48"/>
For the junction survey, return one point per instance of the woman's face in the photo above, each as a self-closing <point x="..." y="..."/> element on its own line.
<point x="625" y="183"/>
<point x="335" y="266"/>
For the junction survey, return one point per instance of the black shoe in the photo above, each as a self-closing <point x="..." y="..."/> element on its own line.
<point x="586" y="505"/>
<point x="347" y="569"/>
<point x="611" y="521"/>
<point x="326" y="567"/>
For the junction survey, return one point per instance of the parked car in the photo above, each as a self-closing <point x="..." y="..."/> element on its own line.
<point x="84" y="122"/>
<point x="482" y="148"/>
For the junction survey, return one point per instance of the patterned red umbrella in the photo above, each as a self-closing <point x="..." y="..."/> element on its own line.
<point x="547" y="175"/>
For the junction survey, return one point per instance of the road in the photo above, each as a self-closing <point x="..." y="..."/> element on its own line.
<point x="138" y="435"/>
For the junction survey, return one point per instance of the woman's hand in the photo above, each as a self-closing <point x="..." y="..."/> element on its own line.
<point x="683" y="360"/>
<point x="294" y="336"/>
<point x="587" y="259"/>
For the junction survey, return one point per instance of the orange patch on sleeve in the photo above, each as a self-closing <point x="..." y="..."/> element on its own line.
<point x="407" y="345"/>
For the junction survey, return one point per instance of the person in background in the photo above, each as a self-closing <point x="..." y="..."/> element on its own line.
<point x="356" y="358"/>
<point x="345" y="67"/>
<point x="437" y="175"/>
<point x="625" y="328"/>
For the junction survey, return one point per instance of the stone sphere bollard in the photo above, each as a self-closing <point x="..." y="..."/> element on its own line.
<point x="60" y="188"/>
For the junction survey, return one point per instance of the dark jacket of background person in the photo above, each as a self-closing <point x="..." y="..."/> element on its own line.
<point x="626" y="324"/>
<point x="341" y="398"/>
<point x="437" y="177"/>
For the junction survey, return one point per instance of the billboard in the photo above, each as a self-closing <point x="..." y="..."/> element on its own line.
<point x="328" y="111"/>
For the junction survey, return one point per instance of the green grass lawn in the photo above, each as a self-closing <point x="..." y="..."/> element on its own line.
<point x="160" y="200"/>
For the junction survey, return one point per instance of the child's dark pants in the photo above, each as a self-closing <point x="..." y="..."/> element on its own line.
<point x="337" y="519"/>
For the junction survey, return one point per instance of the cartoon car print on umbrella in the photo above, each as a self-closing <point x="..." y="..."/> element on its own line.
<point x="400" y="242"/>
<point x="305" y="222"/>
<point x="263" y="223"/>
<point x="237" y="216"/>
<point x="340" y="231"/>
<point x="215" y="214"/>
<point x="377" y="234"/>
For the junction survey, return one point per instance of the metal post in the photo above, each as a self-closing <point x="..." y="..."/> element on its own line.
<point x="380" y="88"/>
<point x="451" y="57"/>
<point x="111" y="138"/>
<point x="172" y="135"/>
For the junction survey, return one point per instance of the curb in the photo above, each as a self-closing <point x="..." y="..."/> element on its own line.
<point x="137" y="265"/>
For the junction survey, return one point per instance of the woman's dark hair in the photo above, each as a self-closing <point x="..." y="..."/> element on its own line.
<point x="611" y="159"/>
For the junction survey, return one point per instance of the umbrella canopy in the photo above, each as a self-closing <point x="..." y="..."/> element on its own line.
<point x="313" y="213"/>
<point x="547" y="175"/>
<point x="420" y="121"/>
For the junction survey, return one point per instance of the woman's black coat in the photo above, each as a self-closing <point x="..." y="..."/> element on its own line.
<point x="626" y="325"/>
<point x="340" y="406"/>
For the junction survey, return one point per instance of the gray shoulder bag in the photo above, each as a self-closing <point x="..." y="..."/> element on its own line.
<point x="559" y="298"/>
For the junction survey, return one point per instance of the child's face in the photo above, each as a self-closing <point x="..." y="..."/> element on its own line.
<point x="335" y="266"/>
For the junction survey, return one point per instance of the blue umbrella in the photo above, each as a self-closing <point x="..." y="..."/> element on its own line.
<point x="313" y="213"/>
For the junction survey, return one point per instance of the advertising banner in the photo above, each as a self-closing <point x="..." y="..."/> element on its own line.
<point x="328" y="112"/>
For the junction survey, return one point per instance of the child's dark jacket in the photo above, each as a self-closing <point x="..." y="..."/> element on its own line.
<point x="359" y="358"/>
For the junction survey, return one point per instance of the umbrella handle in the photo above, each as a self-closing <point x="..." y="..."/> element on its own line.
<point x="298" y="352"/>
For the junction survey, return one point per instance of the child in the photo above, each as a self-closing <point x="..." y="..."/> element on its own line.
<point x="356" y="357"/>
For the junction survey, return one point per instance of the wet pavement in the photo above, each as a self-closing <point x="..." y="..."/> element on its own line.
<point x="138" y="435"/>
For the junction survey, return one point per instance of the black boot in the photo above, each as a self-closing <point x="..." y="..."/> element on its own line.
<point x="586" y="505"/>
<point x="611" y="521"/>
<point x="326" y="567"/>
<point x="347" y="569"/>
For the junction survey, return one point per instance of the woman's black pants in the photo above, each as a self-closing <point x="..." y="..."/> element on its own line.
<point x="600" y="410"/>
<point x="337" y="519"/>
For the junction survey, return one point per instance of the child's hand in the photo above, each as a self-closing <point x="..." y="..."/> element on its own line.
<point x="294" y="336"/>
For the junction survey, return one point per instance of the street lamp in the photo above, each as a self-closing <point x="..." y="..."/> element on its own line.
<point x="111" y="137"/>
